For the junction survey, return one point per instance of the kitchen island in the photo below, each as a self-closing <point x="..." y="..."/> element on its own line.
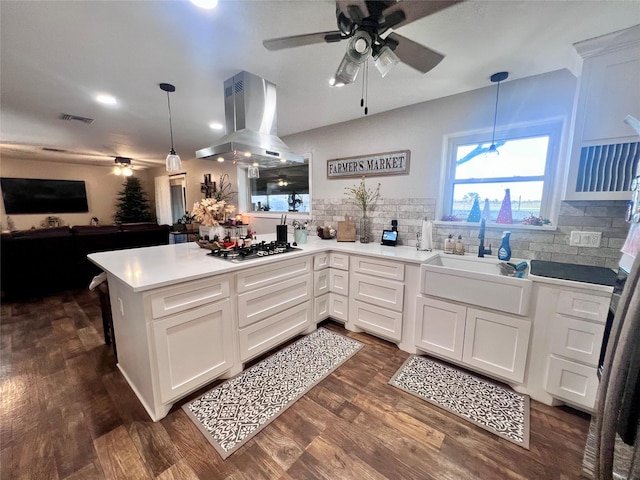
<point x="184" y="318"/>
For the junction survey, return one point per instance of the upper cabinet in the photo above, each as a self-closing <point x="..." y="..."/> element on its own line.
<point x="605" y="150"/>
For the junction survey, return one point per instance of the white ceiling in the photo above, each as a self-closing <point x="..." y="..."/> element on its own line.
<point x="57" y="55"/>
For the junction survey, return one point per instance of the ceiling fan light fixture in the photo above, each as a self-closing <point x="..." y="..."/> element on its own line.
<point x="123" y="166"/>
<point x="347" y="71"/>
<point x="385" y="61"/>
<point x="172" y="162"/>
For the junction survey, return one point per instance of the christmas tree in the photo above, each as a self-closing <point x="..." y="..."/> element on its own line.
<point x="132" y="204"/>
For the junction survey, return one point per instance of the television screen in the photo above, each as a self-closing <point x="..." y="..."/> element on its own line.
<point x="32" y="195"/>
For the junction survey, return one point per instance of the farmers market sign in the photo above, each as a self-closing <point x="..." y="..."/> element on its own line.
<point x="390" y="163"/>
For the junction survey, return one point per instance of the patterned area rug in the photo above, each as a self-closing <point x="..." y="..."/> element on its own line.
<point x="236" y="410"/>
<point x="499" y="410"/>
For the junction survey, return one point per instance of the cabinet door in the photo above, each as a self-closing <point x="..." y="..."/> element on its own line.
<point x="377" y="291"/>
<point x="320" y="282"/>
<point x="378" y="268"/>
<point x="339" y="281"/>
<point x="192" y="348"/>
<point x="378" y="321"/>
<point x="496" y="343"/>
<point x="576" y="339"/>
<point x="440" y="327"/>
<point x="175" y="299"/>
<point x="572" y="382"/>
<point x="320" y="261"/>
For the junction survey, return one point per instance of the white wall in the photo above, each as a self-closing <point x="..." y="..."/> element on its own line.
<point x="421" y="128"/>
<point x="101" y="184"/>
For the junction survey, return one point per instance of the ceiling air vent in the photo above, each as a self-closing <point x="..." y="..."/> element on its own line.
<point x="51" y="149"/>
<point x="66" y="116"/>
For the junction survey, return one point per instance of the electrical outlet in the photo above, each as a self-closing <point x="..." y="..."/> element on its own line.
<point x="585" y="239"/>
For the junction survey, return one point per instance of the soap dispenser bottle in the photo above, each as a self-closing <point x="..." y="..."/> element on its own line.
<point x="459" y="246"/>
<point x="504" y="252"/>
<point x="448" y="244"/>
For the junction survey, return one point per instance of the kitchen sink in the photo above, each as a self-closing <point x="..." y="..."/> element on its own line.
<point x="475" y="281"/>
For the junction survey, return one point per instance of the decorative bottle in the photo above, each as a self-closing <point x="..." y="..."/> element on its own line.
<point x="504" y="252"/>
<point x="459" y="246"/>
<point x="448" y="244"/>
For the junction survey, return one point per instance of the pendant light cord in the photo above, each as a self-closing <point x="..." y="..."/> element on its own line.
<point x="173" y="152"/>
<point x="495" y="115"/>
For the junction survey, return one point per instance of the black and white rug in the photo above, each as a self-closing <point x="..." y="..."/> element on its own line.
<point x="497" y="409"/>
<point x="236" y="410"/>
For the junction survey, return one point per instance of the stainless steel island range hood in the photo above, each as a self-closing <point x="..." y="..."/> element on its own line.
<point x="251" y="127"/>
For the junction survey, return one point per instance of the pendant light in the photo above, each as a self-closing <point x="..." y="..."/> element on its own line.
<point x="174" y="164"/>
<point x="496" y="77"/>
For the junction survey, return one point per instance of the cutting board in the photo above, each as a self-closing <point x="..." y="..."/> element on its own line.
<point x="346" y="230"/>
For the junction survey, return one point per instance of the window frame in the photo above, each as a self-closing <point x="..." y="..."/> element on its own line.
<point x="244" y="195"/>
<point x="553" y="128"/>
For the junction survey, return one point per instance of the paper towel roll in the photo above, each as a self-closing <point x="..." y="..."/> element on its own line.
<point x="427" y="235"/>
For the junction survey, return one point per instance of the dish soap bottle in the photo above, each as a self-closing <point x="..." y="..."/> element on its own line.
<point x="459" y="246"/>
<point x="448" y="244"/>
<point x="504" y="252"/>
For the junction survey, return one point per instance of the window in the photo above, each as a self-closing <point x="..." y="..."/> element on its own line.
<point x="281" y="189"/>
<point x="523" y="166"/>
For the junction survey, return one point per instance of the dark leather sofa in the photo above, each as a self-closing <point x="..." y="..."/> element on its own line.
<point x="47" y="260"/>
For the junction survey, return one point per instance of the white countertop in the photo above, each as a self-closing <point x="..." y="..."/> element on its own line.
<point x="152" y="267"/>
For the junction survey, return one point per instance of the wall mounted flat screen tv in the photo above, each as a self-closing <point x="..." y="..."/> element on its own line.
<point x="32" y="195"/>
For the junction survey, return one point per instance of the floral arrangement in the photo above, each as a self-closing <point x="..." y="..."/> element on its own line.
<point x="211" y="212"/>
<point x="538" y="221"/>
<point x="298" y="225"/>
<point x="361" y="196"/>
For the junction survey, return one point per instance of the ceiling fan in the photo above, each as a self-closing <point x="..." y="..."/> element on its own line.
<point x="368" y="26"/>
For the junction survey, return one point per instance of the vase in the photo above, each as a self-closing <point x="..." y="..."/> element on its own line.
<point x="365" y="228"/>
<point x="300" y="236"/>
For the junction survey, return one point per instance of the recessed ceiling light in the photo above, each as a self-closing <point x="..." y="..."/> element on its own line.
<point x="283" y="160"/>
<point x="105" y="99"/>
<point x="220" y="159"/>
<point x="216" y="126"/>
<point x="206" y="4"/>
<point x="247" y="154"/>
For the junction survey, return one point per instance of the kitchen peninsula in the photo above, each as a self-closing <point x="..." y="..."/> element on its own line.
<point x="184" y="318"/>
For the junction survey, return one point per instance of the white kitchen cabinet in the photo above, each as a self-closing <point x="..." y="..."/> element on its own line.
<point x="331" y="286"/>
<point x="608" y="92"/>
<point x="575" y="330"/>
<point x="339" y="261"/>
<point x="440" y="327"/>
<point x="496" y="343"/>
<point x="275" y="304"/>
<point x="376" y="299"/>
<point x="192" y="348"/>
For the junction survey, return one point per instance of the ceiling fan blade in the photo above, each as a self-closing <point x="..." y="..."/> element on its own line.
<point x="347" y="7"/>
<point x="301" y="40"/>
<point x="413" y="54"/>
<point x="413" y="10"/>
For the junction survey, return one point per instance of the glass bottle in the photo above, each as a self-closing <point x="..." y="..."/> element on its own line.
<point x="365" y="228"/>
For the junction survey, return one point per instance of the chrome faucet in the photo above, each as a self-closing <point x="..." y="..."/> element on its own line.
<point x="481" y="250"/>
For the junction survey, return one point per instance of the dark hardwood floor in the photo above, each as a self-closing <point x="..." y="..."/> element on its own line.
<point x="66" y="412"/>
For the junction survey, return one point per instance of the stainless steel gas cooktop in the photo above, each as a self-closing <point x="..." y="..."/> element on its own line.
<point x="253" y="251"/>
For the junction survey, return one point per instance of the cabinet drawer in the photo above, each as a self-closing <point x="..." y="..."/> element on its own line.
<point x="572" y="382"/>
<point x="257" y="277"/>
<point x="192" y="348"/>
<point x="339" y="281"/>
<point x="339" y="260"/>
<point x="270" y="332"/>
<point x="374" y="290"/>
<point x="264" y="302"/>
<point x="321" y="308"/>
<point x="168" y="301"/>
<point x="338" y="307"/>
<point x="378" y="321"/>
<point x="320" y="282"/>
<point x="321" y="261"/>
<point x="583" y="305"/>
<point x="576" y="339"/>
<point x="378" y="268"/>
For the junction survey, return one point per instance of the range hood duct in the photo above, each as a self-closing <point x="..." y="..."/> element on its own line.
<point x="251" y="127"/>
